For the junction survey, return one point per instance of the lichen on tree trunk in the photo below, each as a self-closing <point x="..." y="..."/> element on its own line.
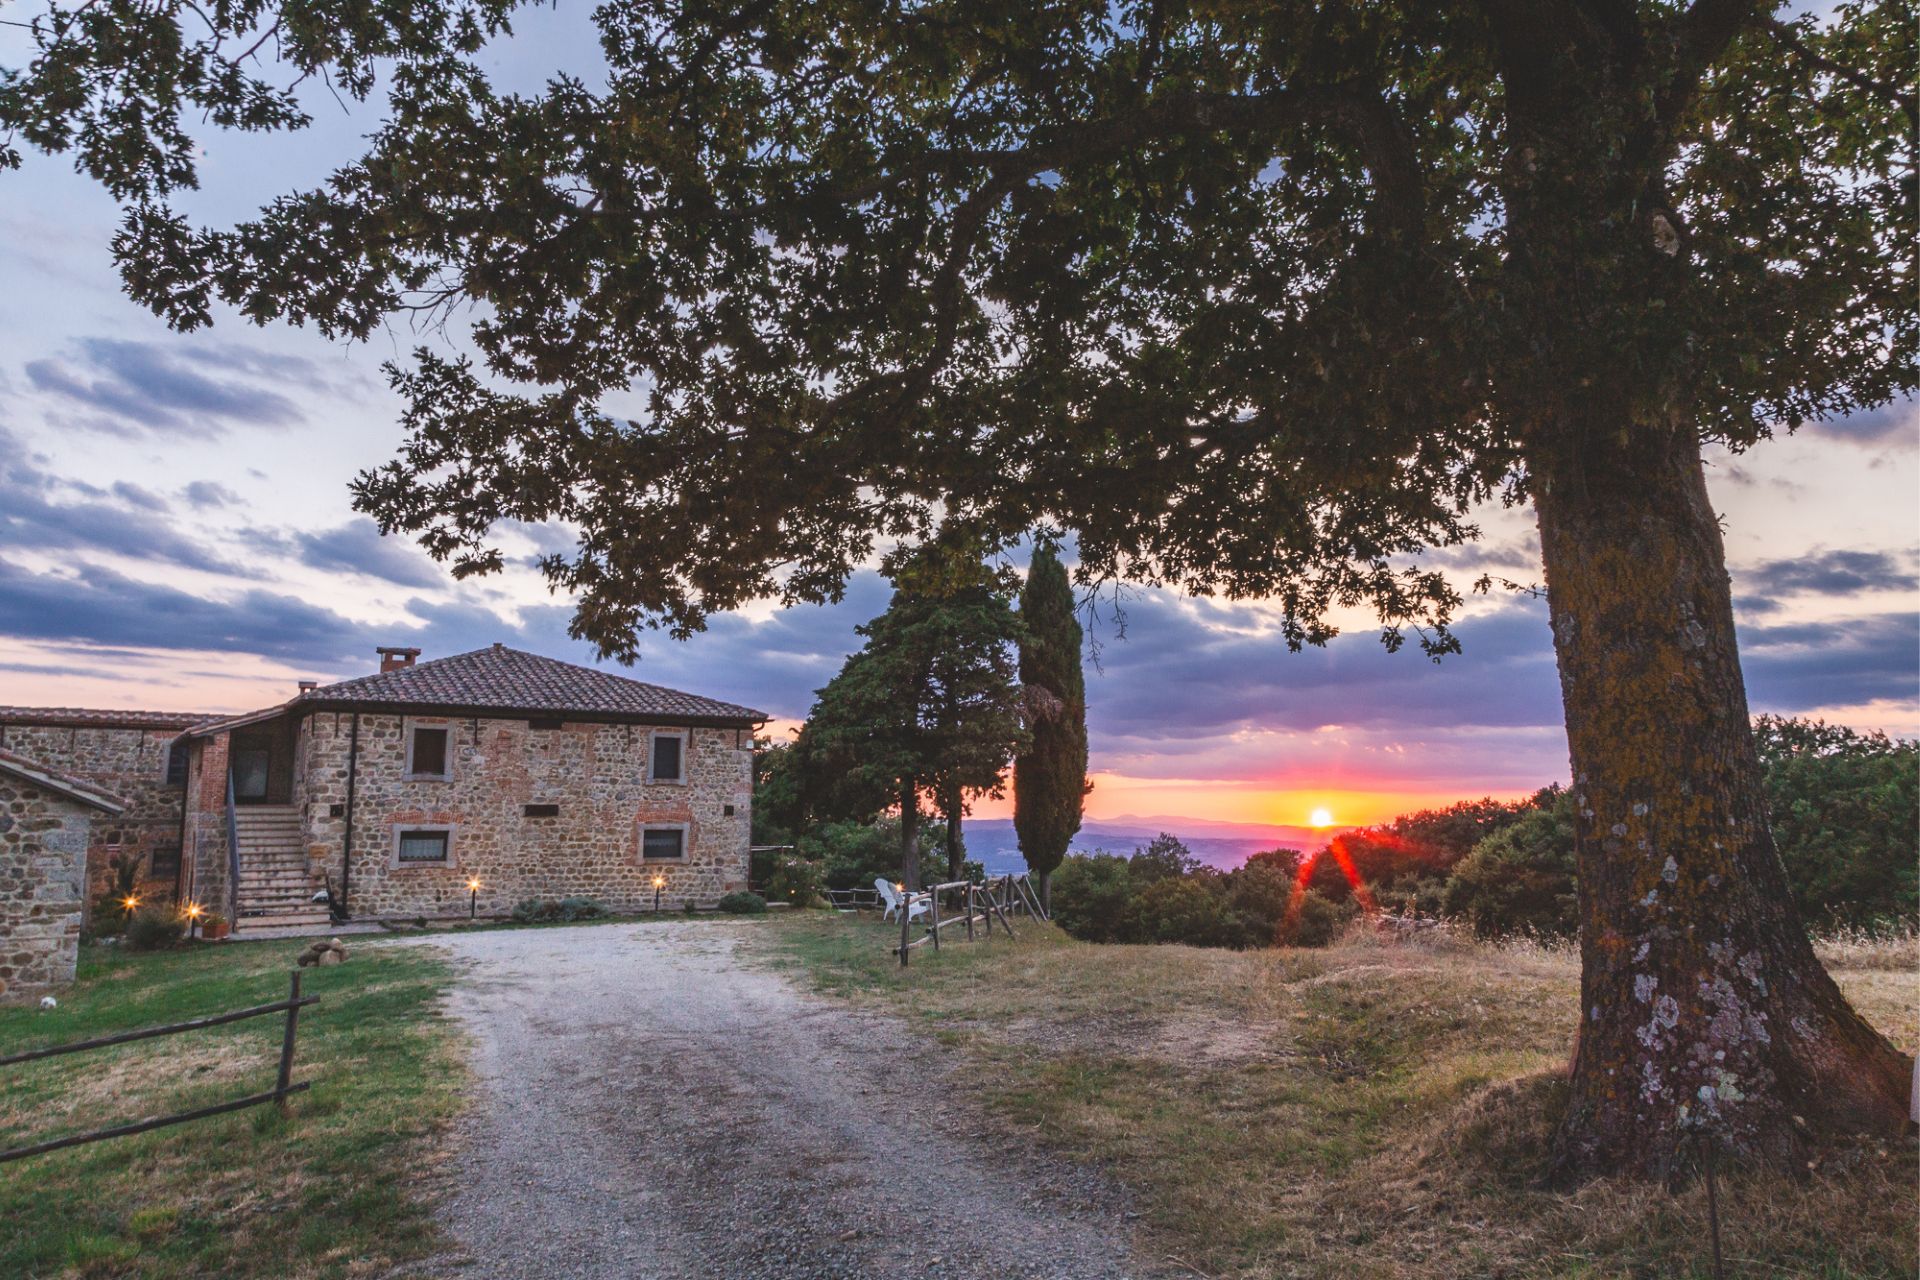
<point x="1702" y="1003"/>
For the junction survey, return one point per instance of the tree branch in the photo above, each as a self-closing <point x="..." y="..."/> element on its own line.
<point x="1891" y="94"/>
<point x="1702" y="35"/>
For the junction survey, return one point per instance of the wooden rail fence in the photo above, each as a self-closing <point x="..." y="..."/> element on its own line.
<point x="986" y="902"/>
<point x="282" y="1088"/>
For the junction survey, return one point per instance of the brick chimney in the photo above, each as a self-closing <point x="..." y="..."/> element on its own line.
<point x="308" y="686"/>
<point x="393" y="659"/>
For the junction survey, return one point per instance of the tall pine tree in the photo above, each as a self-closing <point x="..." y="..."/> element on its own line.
<point x="929" y="704"/>
<point x="1050" y="777"/>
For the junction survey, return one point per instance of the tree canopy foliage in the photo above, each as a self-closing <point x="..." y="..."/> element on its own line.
<point x="1258" y="298"/>
<point x="1252" y="297"/>
<point x="929" y="704"/>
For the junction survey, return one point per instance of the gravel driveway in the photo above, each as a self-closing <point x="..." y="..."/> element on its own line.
<point x="650" y="1105"/>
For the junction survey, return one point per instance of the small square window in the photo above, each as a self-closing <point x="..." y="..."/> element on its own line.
<point x="541" y="810"/>
<point x="669" y="758"/>
<point x="424" y="846"/>
<point x="726" y="810"/>
<point x="426" y="752"/>
<point x="166" y="861"/>
<point x="663" y="843"/>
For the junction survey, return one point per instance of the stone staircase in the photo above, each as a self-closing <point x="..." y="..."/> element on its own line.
<point x="274" y="890"/>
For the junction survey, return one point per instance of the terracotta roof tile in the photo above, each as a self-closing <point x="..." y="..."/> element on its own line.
<point x="64" y="783"/>
<point x="90" y="717"/>
<point x="511" y="680"/>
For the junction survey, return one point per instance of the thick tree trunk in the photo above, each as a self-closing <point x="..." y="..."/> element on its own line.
<point x="910" y="834"/>
<point x="1702" y="1004"/>
<point x="956" y="849"/>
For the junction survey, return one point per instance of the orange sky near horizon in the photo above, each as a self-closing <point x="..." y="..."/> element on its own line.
<point x="1280" y="802"/>
<point x="1286" y="802"/>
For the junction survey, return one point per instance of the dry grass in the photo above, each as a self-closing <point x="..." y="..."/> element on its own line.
<point x="1373" y="1110"/>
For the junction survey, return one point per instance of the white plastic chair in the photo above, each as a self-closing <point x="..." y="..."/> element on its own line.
<point x="917" y="905"/>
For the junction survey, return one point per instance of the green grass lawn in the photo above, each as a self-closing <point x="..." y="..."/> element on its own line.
<point x="339" y="1186"/>
<point x="1361" y="1112"/>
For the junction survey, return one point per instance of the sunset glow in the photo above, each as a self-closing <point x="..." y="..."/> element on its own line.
<point x="1320" y="818"/>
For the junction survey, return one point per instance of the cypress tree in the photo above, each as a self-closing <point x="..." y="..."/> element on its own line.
<point x="1050" y="778"/>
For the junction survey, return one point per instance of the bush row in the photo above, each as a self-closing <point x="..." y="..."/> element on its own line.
<point x="1844" y="808"/>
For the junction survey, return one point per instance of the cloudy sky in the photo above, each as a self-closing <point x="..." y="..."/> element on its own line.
<point x="175" y="533"/>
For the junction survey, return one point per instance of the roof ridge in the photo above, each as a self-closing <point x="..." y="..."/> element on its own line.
<point x="70" y="785"/>
<point x="520" y="680"/>
<point x="13" y="711"/>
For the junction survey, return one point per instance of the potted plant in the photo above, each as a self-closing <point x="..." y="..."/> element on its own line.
<point x="214" y="926"/>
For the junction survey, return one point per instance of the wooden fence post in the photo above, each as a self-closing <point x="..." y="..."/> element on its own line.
<point x="906" y="915"/>
<point x="969" y="911"/>
<point x="933" y="903"/>
<point x="286" y="1045"/>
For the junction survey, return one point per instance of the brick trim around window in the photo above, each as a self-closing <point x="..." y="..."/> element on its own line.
<point x="401" y="830"/>
<point x="446" y="755"/>
<point x="686" y="747"/>
<point x="686" y="841"/>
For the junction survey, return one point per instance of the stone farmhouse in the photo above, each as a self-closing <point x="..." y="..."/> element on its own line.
<point x="46" y="820"/>
<point x="424" y="790"/>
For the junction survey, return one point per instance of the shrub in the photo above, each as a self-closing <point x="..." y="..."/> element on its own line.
<point x="852" y="855"/>
<point x="1845" y="809"/>
<point x="1187" y="909"/>
<point x="1163" y="858"/>
<point x="153" y="928"/>
<point x="742" y="903"/>
<point x="1316" y="921"/>
<point x="1092" y="893"/>
<point x="547" y="910"/>
<point x="1520" y="879"/>
<point x="795" y="881"/>
<point x="1259" y="894"/>
<point x="110" y="911"/>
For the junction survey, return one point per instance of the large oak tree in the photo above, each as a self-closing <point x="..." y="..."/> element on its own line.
<point x="1256" y="297"/>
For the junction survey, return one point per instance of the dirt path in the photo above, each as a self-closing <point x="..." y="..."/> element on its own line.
<point x="652" y="1107"/>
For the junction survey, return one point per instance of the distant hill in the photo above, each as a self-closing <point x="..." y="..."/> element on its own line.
<point x="1218" y="844"/>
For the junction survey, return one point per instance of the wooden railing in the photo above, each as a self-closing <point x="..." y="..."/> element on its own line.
<point x="986" y="902"/>
<point x="282" y="1088"/>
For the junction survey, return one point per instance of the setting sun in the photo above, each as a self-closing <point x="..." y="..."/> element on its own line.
<point x="1320" y="818"/>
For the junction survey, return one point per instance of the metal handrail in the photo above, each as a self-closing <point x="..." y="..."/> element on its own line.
<point x="233" y="859"/>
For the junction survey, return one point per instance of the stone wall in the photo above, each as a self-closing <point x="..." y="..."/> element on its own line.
<point x="594" y="773"/>
<point x="130" y="763"/>
<point x="43" y="861"/>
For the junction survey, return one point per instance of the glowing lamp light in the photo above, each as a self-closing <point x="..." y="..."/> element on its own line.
<point x="130" y="902"/>
<point x="193" y="910"/>
<point x="473" y="885"/>
<point x="473" y="898"/>
<point x="1321" y="818"/>
<point x="659" y="882"/>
